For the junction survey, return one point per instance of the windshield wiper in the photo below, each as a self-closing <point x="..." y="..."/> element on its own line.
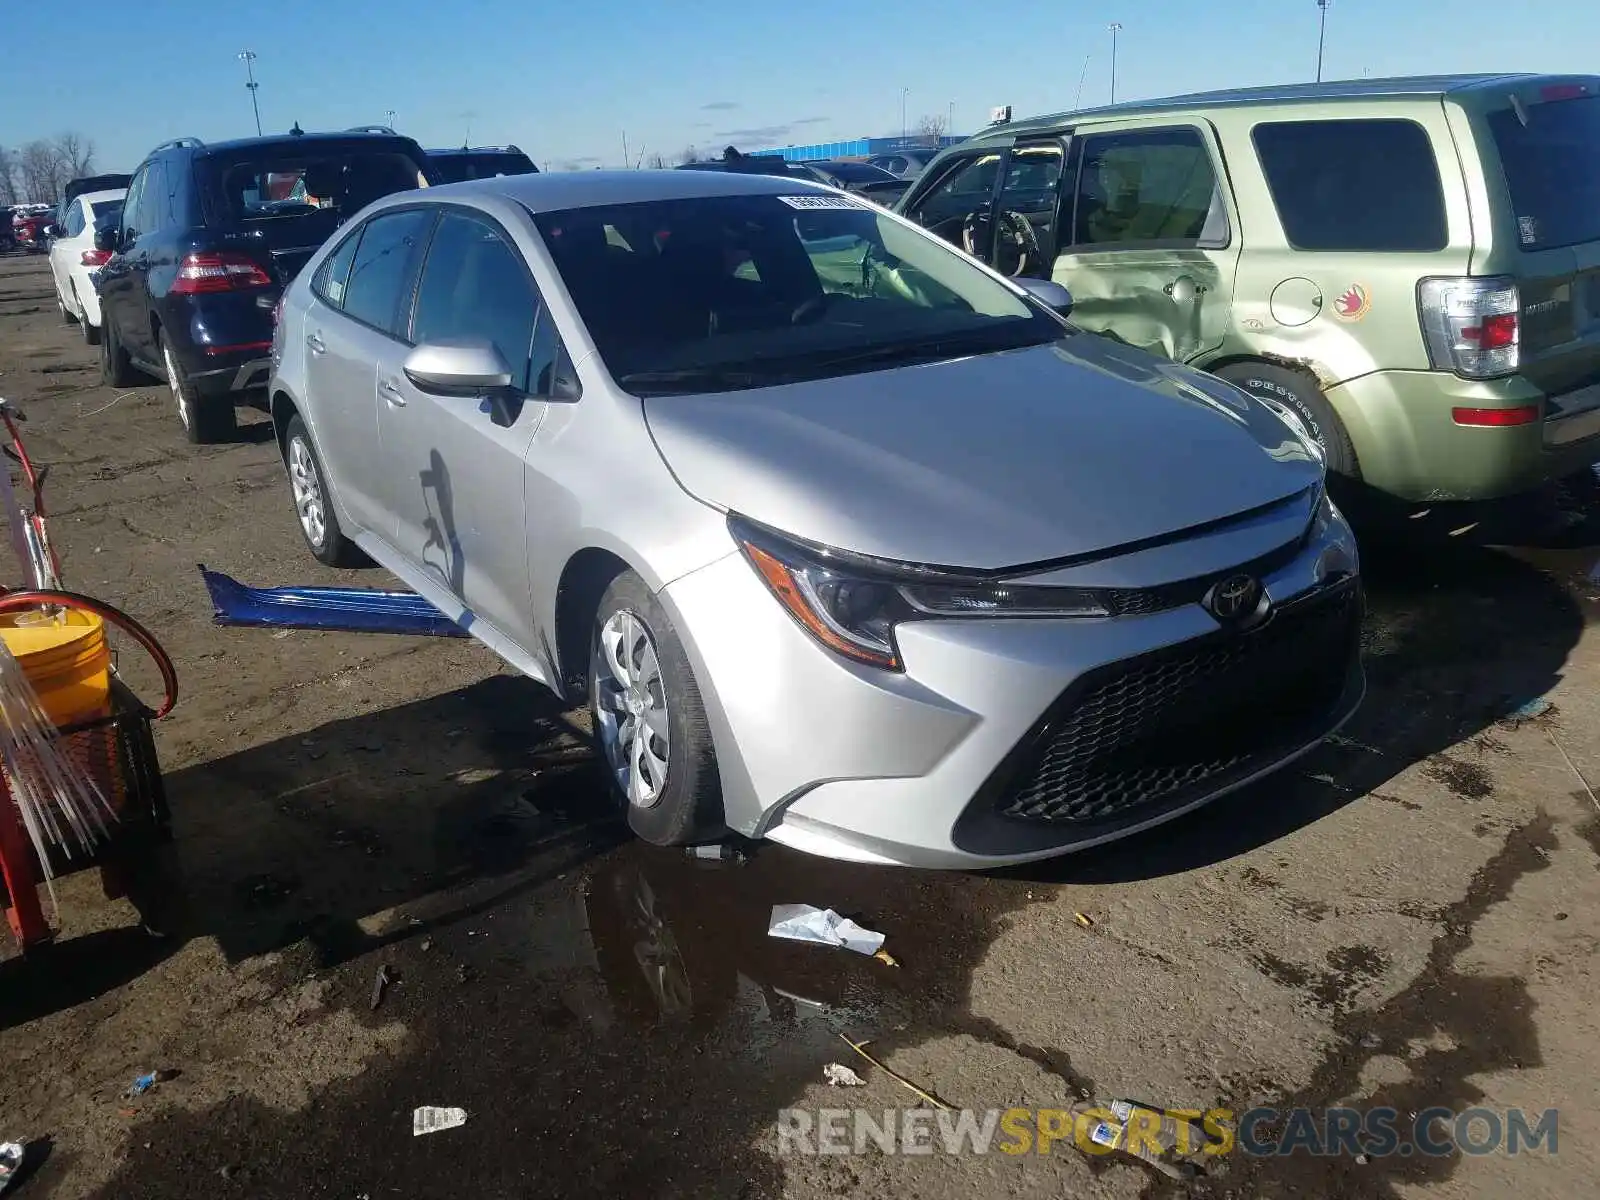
<point x="693" y="379"/>
<point x="927" y="349"/>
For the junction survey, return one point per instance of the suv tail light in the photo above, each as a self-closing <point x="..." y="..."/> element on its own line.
<point x="1472" y="326"/>
<point x="225" y="272"/>
<point x="95" y="258"/>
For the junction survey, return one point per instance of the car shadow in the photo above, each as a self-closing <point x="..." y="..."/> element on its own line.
<point x="1463" y="625"/>
<point x="309" y="837"/>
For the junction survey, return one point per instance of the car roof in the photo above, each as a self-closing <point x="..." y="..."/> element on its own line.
<point x="1339" y="89"/>
<point x="549" y="191"/>
<point x="236" y="145"/>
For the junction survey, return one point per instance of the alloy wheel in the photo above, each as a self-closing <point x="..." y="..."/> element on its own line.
<point x="307" y="487"/>
<point x="630" y="709"/>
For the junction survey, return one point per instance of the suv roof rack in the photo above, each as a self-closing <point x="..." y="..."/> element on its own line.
<point x="182" y="143"/>
<point x="370" y="129"/>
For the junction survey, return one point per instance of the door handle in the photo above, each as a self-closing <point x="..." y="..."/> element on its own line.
<point x="391" y="392"/>
<point x="316" y="344"/>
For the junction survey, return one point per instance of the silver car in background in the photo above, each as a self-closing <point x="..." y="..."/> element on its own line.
<point x="846" y="541"/>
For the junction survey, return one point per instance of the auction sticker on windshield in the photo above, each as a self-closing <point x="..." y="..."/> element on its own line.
<point x="821" y="202"/>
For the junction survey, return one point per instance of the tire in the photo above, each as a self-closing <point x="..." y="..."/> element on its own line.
<point x="682" y="803"/>
<point x="61" y="308"/>
<point x="205" y="419"/>
<point x="91" y="333"/>
<point x="1299" y="392"/>
<point x="313" y="509"/>
<point x="116" y="369"/>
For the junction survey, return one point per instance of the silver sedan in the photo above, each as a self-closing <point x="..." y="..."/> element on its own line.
<point x="846" y="541"/>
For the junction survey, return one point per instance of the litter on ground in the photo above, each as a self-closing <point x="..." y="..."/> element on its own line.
<point x="839" y="1075"/>
<point x="806" y="923"/>
<point x="429" y="1119"/>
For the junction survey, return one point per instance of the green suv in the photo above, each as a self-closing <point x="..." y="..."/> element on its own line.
<point x="1412" y="264"/>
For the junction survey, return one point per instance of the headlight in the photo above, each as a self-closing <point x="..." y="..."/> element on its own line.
<point x="852" y="604"/>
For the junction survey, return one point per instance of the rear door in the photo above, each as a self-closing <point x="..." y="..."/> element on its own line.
<point x="1149" y="250"/>
<point x="352" y="330"/>
<point x="457" y="464"/>
<point x="1540" y="149"/>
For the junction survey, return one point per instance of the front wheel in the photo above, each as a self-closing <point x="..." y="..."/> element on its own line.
<point x="650" y="720"/>
<point x="116" y="369"/>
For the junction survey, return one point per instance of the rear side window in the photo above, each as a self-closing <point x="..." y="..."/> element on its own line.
<point x="383" y="266"/>
<point x="1355" y="186"/>
<point x="1552" y="167"/>
<point x="330" y="279"/>
<point x="1148" y="187"/>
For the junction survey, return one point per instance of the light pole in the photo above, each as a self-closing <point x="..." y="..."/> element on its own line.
<point x="1322" y="33"/>
<point x="1115" y="27"/>
<point x="904" y="92"/>
<point x="248" y="57"/>
<point x="390" y="114"/>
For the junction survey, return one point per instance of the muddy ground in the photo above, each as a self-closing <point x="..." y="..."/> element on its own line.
<point x="1407" y="918"/>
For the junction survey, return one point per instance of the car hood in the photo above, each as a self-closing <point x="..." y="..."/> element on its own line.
<point x="1070" y="448"/>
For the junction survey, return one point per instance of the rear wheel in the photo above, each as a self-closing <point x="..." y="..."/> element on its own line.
<point x="649" y="719"/>
<point x="91" y="332"/>
<point x="318" y="524"/>
<point x="1300" y="393"/>
<point x="116" y="369"/>
<point x="62" y="310"/>
<point x="205" y="418"/>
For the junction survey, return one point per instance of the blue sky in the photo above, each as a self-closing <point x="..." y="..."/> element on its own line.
<point x="564" y="81"/>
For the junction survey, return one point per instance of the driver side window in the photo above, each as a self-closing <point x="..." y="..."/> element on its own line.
<point x="958" y="206"/>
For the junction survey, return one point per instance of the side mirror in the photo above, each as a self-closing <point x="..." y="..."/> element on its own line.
<point x="105" y="238"/>
<point x="464" y="368"/>
<point x="1049" y="293"/>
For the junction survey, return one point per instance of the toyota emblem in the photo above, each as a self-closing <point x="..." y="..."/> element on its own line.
<point x="1235" y="599"/>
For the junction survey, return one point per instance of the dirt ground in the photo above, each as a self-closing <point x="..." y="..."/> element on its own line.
<point x="1408" y="918"/>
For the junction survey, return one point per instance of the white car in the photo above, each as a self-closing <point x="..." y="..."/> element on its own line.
<point x="74" y="260"/>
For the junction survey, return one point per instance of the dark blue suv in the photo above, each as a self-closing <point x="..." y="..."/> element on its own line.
<point x="210" y="236"/>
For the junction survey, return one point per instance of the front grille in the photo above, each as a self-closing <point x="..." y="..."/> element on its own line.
<point x="1150" y="732"/>
<point x="1141" y="602"/>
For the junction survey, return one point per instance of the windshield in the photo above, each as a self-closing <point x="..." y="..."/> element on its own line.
<point x="293" y="182"/>
<point x="726" y="292"/>
<point x="1552" y="168"/>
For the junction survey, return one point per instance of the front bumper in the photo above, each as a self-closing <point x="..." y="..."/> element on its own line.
<point x="925" y="768"/>
<point x="1409" y="446"/>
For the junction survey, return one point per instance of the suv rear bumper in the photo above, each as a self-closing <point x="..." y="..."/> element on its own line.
<point x="1410" y="446"/>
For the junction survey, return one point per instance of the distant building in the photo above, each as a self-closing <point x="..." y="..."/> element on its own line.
<point x="860" y="147"/>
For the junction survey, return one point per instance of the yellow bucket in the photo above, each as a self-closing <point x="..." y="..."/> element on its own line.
<point x="67" y="661"/>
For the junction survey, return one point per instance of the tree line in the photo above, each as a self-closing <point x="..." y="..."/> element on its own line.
<point x="39" y="171"/>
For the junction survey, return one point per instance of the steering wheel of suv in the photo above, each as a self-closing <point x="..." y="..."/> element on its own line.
<point x="1016" y="243"/>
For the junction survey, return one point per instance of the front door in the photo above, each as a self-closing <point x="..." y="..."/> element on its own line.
<point x="457" y="464"/>
<point x="959" y="205"/>
<point x="1150" y="245"/>
<point x="117" y="301"/>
